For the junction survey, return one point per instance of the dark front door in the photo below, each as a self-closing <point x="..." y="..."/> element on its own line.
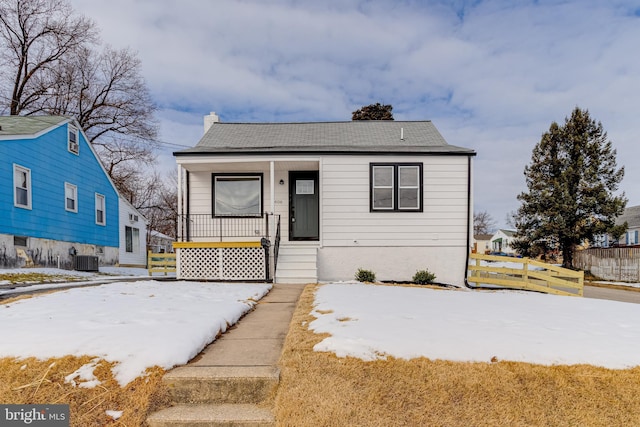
<point x="303" y="205"/>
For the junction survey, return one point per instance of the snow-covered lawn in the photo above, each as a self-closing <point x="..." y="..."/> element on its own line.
<point x="136" y="324"/>
<point x="369" y="321"/>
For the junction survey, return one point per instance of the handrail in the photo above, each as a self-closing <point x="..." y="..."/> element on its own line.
<point x="206" y="226"/>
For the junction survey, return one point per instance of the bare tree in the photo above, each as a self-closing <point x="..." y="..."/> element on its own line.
<point x="50" y="65"/>
<point x="483" y="223"/>
<point x="35" y="35"/>
<point x="105" y="92"/>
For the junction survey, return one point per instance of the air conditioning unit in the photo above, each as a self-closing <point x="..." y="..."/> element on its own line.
<point x="73" y="147"/>
<point x="86" y="263"/>
<point x="133" y="218"/>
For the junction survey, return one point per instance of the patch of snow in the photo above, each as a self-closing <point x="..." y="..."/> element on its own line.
<point x="113" y="414"/>
<point x="371" y="321"/>
<point x="85" y="376"/>
<point x="135" y="324"/>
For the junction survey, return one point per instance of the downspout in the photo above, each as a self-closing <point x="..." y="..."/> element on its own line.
<point x="466" y="265"/>
<point x="469" y="228"/>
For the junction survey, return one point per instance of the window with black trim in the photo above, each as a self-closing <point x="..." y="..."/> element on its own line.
<point x="395" y="187"/>
<point x="237" y="194"/>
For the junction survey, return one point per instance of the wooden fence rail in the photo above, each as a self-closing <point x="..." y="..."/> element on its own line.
<point x="532" y="275"/>
<point x="161" y="263"/>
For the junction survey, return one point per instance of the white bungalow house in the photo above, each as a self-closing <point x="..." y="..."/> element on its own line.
<point x="308" y="202"/>
<point x="133" y="236"/>
<point x="501" y="242"/>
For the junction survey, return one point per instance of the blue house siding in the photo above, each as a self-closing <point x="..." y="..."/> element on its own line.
<point x="52" y="165"/>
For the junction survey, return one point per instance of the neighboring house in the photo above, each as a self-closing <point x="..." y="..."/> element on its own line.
<point x="317" y="201"/>
<point x="160" y="243"/>
<point x="631" y="216"/>
<point x="501" y="242"/>
<point x="56" y="199"/>
<point x="482" y="243"/>
<point x="133" y="236"/>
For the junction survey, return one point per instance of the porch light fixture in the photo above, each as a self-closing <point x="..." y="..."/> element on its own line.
<point x="282" y="182"/>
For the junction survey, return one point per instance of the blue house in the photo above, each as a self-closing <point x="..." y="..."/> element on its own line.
<point x="56" y="199"/>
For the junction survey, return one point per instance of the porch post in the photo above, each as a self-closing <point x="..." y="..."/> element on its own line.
<point x="180" y="220"/>
<point x="272" y="185"/>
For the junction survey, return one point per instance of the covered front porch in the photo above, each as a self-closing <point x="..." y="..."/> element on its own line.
<point x="235" y="215"/>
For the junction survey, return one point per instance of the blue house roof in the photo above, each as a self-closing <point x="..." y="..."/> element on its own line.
<point x="44" y="161"/>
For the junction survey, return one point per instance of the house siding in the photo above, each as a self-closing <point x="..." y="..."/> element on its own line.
<point x="347" y="221"/>
<point x="138" y="257"/>
<point x="47" y="218"/>
<point x="393" y="244"/>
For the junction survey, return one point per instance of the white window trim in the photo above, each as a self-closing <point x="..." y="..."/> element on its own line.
<point x="415" y="187"/>
<point x="135" y="240"/>
<point x="385" y="187"/>
<point x="75" y="197"/>
<point x="104" y="209"/>
<point x="17" y="168"/>
<point x="73" y="130"/>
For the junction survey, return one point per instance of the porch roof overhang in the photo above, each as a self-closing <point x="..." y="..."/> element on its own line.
<point x="203" y="164"/>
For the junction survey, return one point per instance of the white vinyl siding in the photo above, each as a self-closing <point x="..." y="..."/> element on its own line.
<point x="139" y="257"/>
<point x="346" y="219"/>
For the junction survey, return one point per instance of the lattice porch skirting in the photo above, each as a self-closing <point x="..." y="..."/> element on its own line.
<point x="221" y="263"/>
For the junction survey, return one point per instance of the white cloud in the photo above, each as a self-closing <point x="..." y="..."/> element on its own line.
<point x="491" y="75"/>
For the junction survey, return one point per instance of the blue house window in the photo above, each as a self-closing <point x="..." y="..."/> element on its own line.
<point x="100" y="218"/>
<point x="70" y="197"/>
<point x="21" y="187"/>
<point x="74" y="146"/>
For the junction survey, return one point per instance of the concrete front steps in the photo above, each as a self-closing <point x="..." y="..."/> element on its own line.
<point x="297" y="264"/>
<point x="233" y="380"/>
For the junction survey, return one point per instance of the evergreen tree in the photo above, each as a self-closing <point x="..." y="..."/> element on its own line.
<point x="375" y="111"/>
<point x="571" y="180"/>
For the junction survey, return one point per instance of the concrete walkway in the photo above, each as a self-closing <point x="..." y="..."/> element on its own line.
<point x="229" y="381"/>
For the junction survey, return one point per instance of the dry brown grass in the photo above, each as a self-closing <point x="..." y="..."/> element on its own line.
<point x="319" y="389"/>
<point x="32" y="381"/>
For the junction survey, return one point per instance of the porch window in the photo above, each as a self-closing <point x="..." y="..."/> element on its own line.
<point x="396" y="187"/>
<point x="237" y="195"/>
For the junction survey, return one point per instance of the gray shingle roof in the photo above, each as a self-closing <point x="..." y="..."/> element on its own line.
<point x="27" y="125"/>
<point x="324" y="137"/>
<point x="631" y="215"/>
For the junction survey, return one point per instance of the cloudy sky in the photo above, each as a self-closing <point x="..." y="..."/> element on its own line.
<point x="492" y="75"/>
